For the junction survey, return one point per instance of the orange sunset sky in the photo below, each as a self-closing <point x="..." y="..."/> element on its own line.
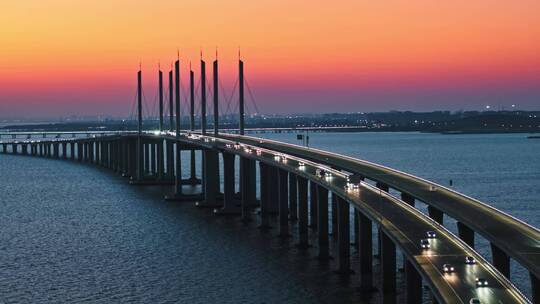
<point x="61" y="57"/>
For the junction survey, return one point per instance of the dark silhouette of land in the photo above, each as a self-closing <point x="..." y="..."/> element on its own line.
<point x="438" y="121"/>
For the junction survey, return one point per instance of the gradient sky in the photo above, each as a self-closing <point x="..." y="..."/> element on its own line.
<point x="65" y="57"/>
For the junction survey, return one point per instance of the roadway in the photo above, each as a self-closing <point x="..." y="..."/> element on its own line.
<point x="516" y="238"/>
<point x="405" y="225"/>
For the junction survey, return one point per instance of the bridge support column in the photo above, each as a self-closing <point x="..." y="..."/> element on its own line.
<point x="388" y="268"/>
<point x="125" y="157"/>
<point x="466" y="234"/>
<point x="155" y="159"/>
<point x="356" y="228"/>
<point x="365" y="252"/>
<point x="293" y="198"/>
<point x="210" y="164"/>
<point x="302" y="212"/>
<point x="382" y="186"/>
<point x="333" y="206"/>
<point x="229" y="202"/>
<point x="313" y="205"/>
<point x="322" y="220"/>
<point x="436" y="214"/>
<point x="89" y="151"/>
<point x="64" y="150"/>
<point x="133" y="162"/>
<point x="535" y="286"/>
<point x="147" y="157"/>
<point x="193" y="172"/>
<point x="501" y="260"/>
<point x="170" y="159"/>
<point x="92" y="155"/>
<point x="413" y="283"/>
<point x="265" y="204"/>
<point x="24" y="148"/>
<point x="407" y="198"/>
<point x="283" y="194"/>
<point x="115" y="155"/>
<point x="210" y="179"/>
<point x="79" y="151"/>
<point x="160" y="161"/>
<point x="248" y="187"/>
<point x="273" y="194"/>
<point x="99" y="152"/>
<point x="344" y="238"/>
<point x="56" y="152"/>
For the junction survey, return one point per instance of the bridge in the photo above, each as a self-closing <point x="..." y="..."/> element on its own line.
<point x="324" y="197"/>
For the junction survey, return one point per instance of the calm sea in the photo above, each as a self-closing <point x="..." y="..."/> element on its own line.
<point x="77" y="233"/>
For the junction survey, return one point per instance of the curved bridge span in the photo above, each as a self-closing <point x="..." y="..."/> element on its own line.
<point x="324" y="193"/>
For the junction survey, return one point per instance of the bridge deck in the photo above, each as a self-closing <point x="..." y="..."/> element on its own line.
<point x="516" y="238"/>
<point x="404" y="224"/>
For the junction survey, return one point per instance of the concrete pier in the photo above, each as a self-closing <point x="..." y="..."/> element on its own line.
<point x="344" y="238"/>
<point x="365" y="253"/>
<point x="302" y="212"/>
<point x="293" y="198"/>
<point x="322" y="220"/>
<point x="283" y="194"/>
<point x="313" y="205"/>
<point x="413" y="282"/>
<point x="388" y="268"/>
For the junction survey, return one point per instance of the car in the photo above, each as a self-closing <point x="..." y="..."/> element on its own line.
<point x="447" y="268"/>
<point x="469" y="260"/>
<point x="327" y="174"/>
<point x="431" y="234"/>
<point x="475" y="301"/>
<point x="259" y="152"/>
<point x="351" y="186"/>
<point x="301" y="164"/>
<point x="481" y="282"/>
<point x="424" y="243"/>
<point x="319" y="172"/>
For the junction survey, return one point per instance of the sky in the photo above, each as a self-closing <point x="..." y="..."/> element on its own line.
<point x="64" y="57"/>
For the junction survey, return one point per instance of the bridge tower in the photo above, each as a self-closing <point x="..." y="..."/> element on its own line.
<point x="241" y="93"/>
<point x="140" y="165"/>
<point x="193" y="177"/>
<point x="216" y="97"/>
<point x="160" y="83"/>
<point x="178" y="175"/>
<point x="171" y="109"/>
<point x="203" y="96"/>
<point x="177" y="95"/>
